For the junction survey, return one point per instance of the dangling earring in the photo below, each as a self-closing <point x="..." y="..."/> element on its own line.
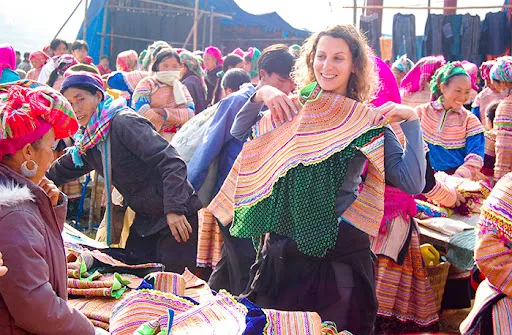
<point x="29" y="172"/>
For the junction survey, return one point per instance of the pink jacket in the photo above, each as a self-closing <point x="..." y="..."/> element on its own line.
<point x="33" y="293"/>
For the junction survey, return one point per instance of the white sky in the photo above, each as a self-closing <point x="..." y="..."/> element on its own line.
<point x="30" y="24"/>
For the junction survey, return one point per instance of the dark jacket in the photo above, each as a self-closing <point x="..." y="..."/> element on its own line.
<point x="197" y="91"/>
<point x="33" y="293"/>
<point x="146" y="170"/>
<point x="213" y="86"/>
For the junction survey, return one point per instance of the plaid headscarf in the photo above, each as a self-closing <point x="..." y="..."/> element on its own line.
<point x="147" y="56"/>
<point x="192" y="63"/>
<point x="502" y="70"/>
<point x="442" y="75"/>
<point x="39" y="55"/>
<point x="472" y="71"/>
<point x="485" y="69"/>
<point x="99" y="125"/>
<point x="403" y="64"/>
<point x="64" y="62"/>
<point x="421" y="74"/>
<point x="25" y="107"/>
<point x="239" y="52"/>
<point x="127" y="60"/>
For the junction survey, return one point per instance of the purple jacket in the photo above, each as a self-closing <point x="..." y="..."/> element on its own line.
<point x="33" y="293"/>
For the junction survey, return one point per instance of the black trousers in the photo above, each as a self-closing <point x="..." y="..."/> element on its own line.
<point x="163" y="248"/>
<point x="232" y="272"/>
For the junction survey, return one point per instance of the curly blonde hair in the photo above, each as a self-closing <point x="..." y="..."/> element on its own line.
<point x="363" y="83"/>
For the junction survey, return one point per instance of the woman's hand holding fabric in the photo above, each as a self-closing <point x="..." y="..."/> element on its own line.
<point x="280" y="105"/>
<point x="51" y="190"/>
<point x="392" y="112"/>
<point x="180" y="228"/>
<point x="3" y="269"/>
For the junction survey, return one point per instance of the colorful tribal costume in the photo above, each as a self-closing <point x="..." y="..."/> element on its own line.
<point x="317" y="256"/>
<point x="491" y="312"/>
<point x="151" y="93"/>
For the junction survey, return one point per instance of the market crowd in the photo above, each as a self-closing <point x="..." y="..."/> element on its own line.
<point x="294" y="173"/>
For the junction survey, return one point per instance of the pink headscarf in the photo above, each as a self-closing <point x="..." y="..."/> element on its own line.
<point x="388" y="87"/>
<point x="40" y="55"/>
<point x="421" y="73"/>
<point x="238" y="52"/>
<point x="485" y="69"/>
<point x="7" y="57"/>
<point x="215" y="52"/>
<point x="472" y="70"/>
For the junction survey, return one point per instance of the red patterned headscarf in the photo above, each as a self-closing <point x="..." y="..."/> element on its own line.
<point x="485" y="69"/>
<point x="28" y="110"/>
<point x="39" y="55"/>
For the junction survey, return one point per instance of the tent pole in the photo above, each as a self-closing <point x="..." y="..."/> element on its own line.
<point x="196" y="21"/>
<point x="355" y="12"/>
<point x="85" y="21"/>
<point x="212" y="17"/>
<point x="69" y="17"/>
<point x="428" y="4"/>
<point x="104" y="29"/>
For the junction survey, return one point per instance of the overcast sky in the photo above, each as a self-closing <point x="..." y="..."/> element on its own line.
<point x="31" y="24"/>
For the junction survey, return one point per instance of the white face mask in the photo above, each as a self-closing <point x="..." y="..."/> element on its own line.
<point x="167" y="77"/>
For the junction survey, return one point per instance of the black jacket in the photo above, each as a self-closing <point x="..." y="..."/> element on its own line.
<point x="196" y="90"/>
<point x="146" y="170"/>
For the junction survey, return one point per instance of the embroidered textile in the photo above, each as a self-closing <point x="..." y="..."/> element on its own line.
<point x="299" y="168"/>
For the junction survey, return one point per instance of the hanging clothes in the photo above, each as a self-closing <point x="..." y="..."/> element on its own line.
<point x="404" y="35"/>
<point x="495" y="36"/>
<point x="470" y="38"/>
<point x="370" y="27"/>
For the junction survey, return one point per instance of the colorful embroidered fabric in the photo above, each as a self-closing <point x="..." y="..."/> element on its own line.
<point x="196" y="288"/>
<point x="366" y="212"/>
<point x="503" y="146"/>
<point x="97" y="310"/>
<point x="141" y="306"/>
<point x="112" y="287"/>
<point x="282" y="322"/>
<point x="404" y="291"/>
<point x="299" y="169"/>
<point x="209" y="240"/>
<point x="167" y="282"/>
<point x="453" y="136"/>
<point x="496" y="215"/>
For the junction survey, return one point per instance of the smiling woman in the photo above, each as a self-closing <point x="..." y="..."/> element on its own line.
<point x="125" y="149"/>
<point x="317" y="254"/>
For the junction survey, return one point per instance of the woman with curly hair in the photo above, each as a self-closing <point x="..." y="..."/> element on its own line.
<point x="310" y="215"/>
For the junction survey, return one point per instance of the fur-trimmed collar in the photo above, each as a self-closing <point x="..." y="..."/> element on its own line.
<point x="13" y="194"/>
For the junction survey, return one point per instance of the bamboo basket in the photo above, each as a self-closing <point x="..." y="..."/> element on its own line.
<point x="437" y="274"/>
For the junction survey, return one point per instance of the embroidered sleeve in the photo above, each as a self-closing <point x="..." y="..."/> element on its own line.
<point x="442" y="194"/>
<point x="475" y="149"/>
<point x="142" y="94"/>
<point x="179" y="114"/>
<point x="503" y="147"/>
<point x="263" y="126"/>
<point x="493" y="258"/>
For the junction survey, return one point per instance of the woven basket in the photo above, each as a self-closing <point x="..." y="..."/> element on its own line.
<point x="437" y="274"/>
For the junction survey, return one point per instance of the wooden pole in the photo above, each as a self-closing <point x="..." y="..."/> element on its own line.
<point x="190" y="33"/>
<point x="104" y="29"/>
<point x="69" y="17"/>
<point x="212" y="17"/>
<point x="447" y="5"/>
<point x="428" y="7"/>
<point x="85" y="21"/>
<point x="185" y="8"/>
<point x="196" y="21"/>
<point x="355" y="12"/>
